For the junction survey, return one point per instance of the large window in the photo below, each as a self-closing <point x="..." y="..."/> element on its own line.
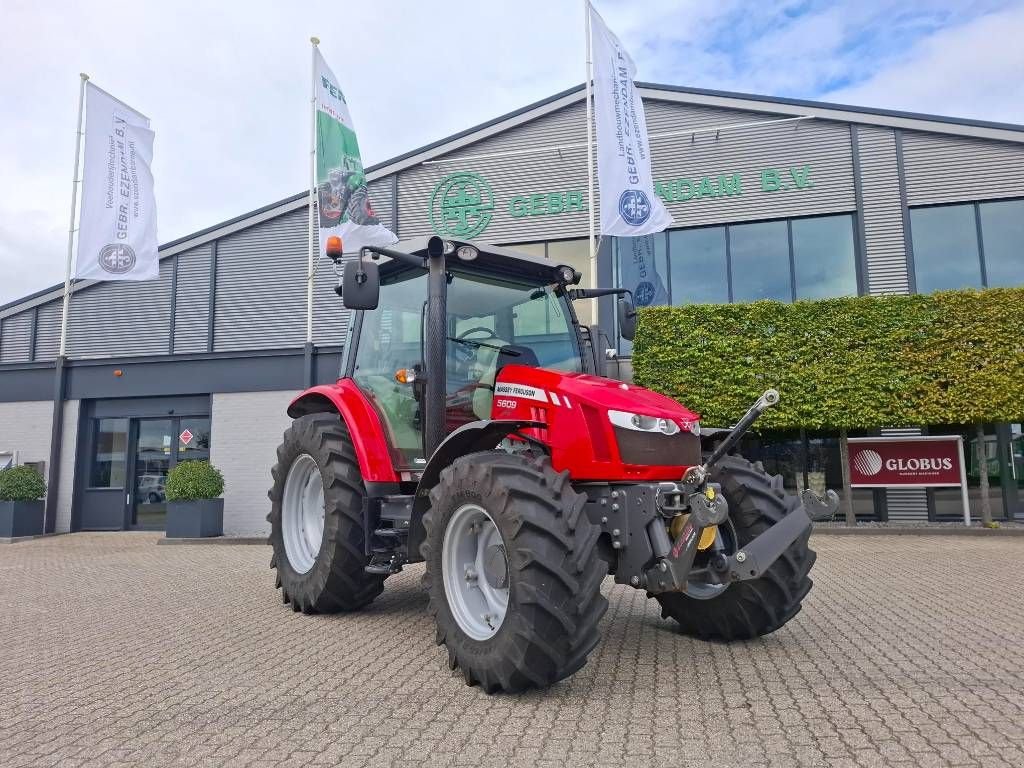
<point x="700" y="272"/>
<point x="760" y="261"/>
<point x="1002" y="232"/>
<point x="824" y="260"/>
<point x="945" y="248"/>
<point x="784" y="260"/>
<point x="968" y="245"/>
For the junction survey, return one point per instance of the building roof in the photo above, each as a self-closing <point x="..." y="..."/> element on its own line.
<point x="979" y="129"/>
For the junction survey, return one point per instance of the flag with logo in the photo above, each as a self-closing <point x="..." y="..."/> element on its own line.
<point x="638" y="270"/>
<point x="629" y="206"/>
<point x="342" y="197"/>
<point x="117" y="226"/>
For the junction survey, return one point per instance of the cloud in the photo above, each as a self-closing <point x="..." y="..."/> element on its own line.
<point x="226" y="84"/>
<point x="974" y="70"/>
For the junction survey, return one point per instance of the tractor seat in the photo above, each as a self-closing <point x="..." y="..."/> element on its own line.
<point x="509" y="354"/>
<point x="515" y="354"/>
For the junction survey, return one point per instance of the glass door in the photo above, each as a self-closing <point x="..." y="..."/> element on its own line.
<point x="154" y="455"/>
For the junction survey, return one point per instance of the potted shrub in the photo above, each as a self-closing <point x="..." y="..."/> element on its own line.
<point x="194" y="507"/>
<point x="21" y="502"/>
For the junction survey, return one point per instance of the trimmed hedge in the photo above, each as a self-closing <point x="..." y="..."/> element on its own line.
<point x="954" y="357"/>
<point x="21" y="484"/>
<point x="191" y="480"/>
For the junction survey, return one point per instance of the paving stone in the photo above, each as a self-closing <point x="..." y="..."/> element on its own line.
<point x="114" y="651"/>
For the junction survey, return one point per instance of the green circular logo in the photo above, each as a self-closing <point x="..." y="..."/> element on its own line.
<point x="461" y="206"/>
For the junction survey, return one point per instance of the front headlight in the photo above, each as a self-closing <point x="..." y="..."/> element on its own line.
<point x="641" y="423"/>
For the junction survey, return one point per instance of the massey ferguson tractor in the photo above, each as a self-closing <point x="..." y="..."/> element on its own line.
<point x="471" y="429"/>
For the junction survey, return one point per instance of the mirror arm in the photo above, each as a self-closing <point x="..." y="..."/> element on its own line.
<point x="593" y="293"/>
<point x="406" y="258"/>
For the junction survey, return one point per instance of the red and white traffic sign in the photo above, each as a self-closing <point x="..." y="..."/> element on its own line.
<point x="186" y="437"/>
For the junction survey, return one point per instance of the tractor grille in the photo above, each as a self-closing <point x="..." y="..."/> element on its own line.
<point x="681" y="449"/>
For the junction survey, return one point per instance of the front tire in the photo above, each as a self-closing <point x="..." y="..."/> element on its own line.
<point x="514" y="532"/>
<point x="316" y="525"/>
<point x="749" y="609"/>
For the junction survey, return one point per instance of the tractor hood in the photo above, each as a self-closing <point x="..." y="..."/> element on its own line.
<point x="590" y="430"/>
<point x="606" y="394"/>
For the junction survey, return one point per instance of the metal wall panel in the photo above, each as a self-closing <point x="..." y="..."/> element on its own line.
<point x="192" y="304"/>
<point x="823" y="146"/>
<point x="260" y="298"/>
<point x="883" y="214"/>
<point x="508" y="177"/>
<point x="330" y="318"/>
<point x="380" y="196"/>
<point x="16" y="338"/>
<point x="905" y="503"/>
<point x="121" y="317"/>
<point x="943" y="169"/>
<point x="48" y="331"/>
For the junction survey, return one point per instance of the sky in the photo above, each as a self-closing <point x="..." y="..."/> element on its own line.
<point x="226" y="84"/>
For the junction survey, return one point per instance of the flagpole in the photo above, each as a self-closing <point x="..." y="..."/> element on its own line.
<point x="590" y="153"/>
<point x="312" y="194"/>
<point x="71" y="225"/>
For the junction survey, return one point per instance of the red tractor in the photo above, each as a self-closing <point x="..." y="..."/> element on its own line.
<point x="471" y="429"/>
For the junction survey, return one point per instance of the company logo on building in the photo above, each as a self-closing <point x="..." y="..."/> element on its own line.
<point x="634" y="207"/>
<point x="116" y="258"/>
<point x="462" y="205"/>
<point x="868" y="462"/>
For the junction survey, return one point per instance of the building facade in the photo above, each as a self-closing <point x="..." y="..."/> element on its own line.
<point x="772" y="199"/>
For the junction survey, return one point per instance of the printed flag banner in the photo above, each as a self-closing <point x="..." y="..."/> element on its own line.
<point x="638" y="270"/>
<point x="342" y="196"/>
<point x="117" y="227"/>
<point x="629" y="206"/>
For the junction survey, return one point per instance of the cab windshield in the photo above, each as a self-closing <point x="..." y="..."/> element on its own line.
<point x="532" y="323"/>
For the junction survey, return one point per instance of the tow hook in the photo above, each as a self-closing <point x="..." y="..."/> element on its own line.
<point x="707" y="507"/>
<point x="820" y="508"/>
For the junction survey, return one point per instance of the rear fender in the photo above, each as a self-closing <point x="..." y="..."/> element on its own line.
<point x="469" y="438"/>
<point x="364" y="425"/>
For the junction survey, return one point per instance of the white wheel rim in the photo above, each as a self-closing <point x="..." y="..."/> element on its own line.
<point x="475" y="572"/>
<point x="302" y="513"/>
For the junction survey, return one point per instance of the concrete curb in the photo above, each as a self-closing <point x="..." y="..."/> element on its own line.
<point x="951" y="529"/>
<point x="221" y="540"/>
<point x="20" y="539"/>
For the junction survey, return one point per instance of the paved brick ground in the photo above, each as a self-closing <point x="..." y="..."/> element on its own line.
<point x="114" y="651"/>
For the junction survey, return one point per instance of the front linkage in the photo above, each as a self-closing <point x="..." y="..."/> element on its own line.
<point x="635" y="517"/>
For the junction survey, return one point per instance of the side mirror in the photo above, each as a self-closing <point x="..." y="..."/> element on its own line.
<point x="360" y="287"/>
<point x="627" y="318"/>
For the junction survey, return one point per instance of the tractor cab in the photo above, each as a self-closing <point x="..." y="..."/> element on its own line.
<point x="502" y="308"/>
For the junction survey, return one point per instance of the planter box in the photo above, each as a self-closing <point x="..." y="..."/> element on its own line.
<point x="197" y="519"/>
<point x="21" y="518"/>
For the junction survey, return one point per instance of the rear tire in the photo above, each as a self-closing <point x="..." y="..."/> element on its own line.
<point x="329" y="578"/>
<point x="749" y="609"/>
<point x="551" y="575"/>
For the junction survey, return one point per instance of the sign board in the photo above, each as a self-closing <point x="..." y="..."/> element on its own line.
<point x="933" y="461"/>
<point x="914" y="462"/>
<point x="185" y="437"/>
<point x="463" y="203"/>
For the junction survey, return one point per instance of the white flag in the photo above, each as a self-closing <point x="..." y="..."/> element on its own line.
<point x="638" y="270"/>
<point x="117" y="229"/>
<point x="629" y="206"/>
<point x="342" y="197"/>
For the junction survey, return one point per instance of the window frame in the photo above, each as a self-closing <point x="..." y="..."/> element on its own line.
<point x="858" y="255"/>
<point x="979" y="233"/>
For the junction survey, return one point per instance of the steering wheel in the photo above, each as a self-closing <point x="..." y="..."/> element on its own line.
<point x="477" y="329"/>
